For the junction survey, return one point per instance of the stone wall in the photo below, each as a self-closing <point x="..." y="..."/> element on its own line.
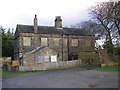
<point x="64" y="44"/>
<point x="51" y="65"/>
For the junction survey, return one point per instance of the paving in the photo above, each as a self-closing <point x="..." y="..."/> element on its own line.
<point x="69" y="78"/>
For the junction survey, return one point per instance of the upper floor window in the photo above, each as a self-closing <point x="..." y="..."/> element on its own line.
<point x="56" y="41"/>
<point x="74" y="42"/>
<point x="26" y="41"/>
<point x="43" y="41"/>
<point x="87" y="43"/>
<point x="65" y="42"/>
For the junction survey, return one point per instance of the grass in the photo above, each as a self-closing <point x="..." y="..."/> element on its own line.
<point x="109" y="68"/>
<point x="6" y="73"/>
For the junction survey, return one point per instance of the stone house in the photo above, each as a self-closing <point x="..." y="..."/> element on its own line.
<point x="63" y="43"/>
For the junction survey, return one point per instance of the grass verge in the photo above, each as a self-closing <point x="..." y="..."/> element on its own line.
<point x="109" y="68"/>
<point x="6" y="73"/>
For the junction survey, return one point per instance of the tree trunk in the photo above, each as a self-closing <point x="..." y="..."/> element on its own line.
<point x="110" y="49"/>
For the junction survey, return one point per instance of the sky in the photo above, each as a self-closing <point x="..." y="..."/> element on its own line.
<point x="13" y="12"/>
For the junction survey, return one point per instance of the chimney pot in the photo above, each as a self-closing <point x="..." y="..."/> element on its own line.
<point x="58" y="22"/>
<point x="35" y="16"/>
<point x="35" y="24"/>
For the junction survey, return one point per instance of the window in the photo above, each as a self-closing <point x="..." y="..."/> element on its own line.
<point x="46" y="58"/>
<point x="43" y="41"/>
<point x="54" y="58"/>
<point x="42" y="59"/>
<point x="73" y="57"/>
<point x="74" y="42"/>
<point x="87" y="43"/>
<point x="56" y="41"/>
<point x="26" y="41"/>
<point x="65" y="42"/>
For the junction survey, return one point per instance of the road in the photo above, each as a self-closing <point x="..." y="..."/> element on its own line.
<point x="69" y="78"/>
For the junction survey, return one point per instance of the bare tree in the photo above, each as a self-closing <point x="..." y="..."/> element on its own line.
<point x="88" y="25"/>
<point x="115" y="15"/>
<point x="96" y="29"/>
<point x="107" y="14"/>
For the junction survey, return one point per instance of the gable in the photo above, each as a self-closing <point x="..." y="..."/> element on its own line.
<point x="44" y="51"/>
<point x="17" y="32"/>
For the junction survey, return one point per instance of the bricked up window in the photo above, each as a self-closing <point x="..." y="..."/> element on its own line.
<point x="26" y="41"/>
<point x="43" y="41"/>
<point x="56" y="41"/>
<point x="87" y="43"/>
<point x="65" y="42"/>
<point x="74" y="42"/>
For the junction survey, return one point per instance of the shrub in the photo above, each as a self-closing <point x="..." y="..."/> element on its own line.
<point x="89" y="58"/>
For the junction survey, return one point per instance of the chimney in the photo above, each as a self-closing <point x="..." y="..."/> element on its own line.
<point x="58" y="22"/>
<point x="35" y="24"/>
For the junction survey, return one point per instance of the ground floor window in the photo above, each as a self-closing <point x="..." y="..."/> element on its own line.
<point x="47" y="58"/>
<point x="73" y="57"/>
<point x="54" y="58"/>
<point x="40" y="59"/>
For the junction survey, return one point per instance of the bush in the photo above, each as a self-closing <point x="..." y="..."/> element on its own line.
<point x="89" y="58"/>
<point x="117" y="51"/>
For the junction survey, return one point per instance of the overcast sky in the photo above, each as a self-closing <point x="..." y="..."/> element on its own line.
<point x="13" y="12"/>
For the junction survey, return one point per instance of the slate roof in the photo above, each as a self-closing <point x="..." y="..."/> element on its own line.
<point x="37" y="49"/>
<point x="52" y="30"/>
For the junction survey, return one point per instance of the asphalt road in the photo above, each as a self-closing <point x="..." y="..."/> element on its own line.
<point x="69" y="78"/>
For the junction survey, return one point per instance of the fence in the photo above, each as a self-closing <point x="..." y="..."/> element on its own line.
<point x="51" y="65"/>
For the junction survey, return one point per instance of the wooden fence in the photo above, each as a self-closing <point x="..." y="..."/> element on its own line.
<point x="51" y="65"/>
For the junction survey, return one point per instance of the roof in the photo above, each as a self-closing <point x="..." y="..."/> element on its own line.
<point x="53" y="30"/>
<point x="37" y="49"/>
<point x="40" y="49"/>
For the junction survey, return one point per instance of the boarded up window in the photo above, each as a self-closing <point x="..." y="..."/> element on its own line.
<point x="65" y="42"/>
<point x="46" y="58"/>
<point x="54" y="58"/>
<point x="40" y="59"/>
<point x="43" y="41"/>
<point x="56" y="41"/>
<point x="74" y="42"/>
<point x="26" y="41"/>
<point x="87" y="43"/>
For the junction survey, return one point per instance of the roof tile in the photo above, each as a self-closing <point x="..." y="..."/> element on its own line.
<point x="53" y="30"/>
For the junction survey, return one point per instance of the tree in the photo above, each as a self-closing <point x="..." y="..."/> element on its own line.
<point x="0" y="41"/>
<point x="104" y="14"/>
<point x="88" y="25"/>
<point x="7" y="43"/>
<point x="115" y="15"/>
